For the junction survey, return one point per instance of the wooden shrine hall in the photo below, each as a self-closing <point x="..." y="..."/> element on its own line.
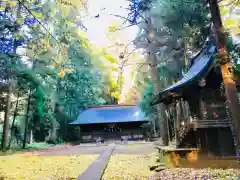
<point x="111" y="122"/>
<point x="195" y="109"/>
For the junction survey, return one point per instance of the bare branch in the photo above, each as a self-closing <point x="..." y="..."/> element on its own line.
<point x="129" y="26"/>
<point x="230" y="3"/>
<point x="142" y="64"/>
<point x="129" y="20"/>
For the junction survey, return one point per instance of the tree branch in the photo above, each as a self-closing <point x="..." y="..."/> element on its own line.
<point x="127" y="19"/>
<point x="30" y="12"/>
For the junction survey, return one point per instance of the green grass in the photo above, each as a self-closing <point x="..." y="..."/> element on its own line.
<point x="35" y="146"/>
<point x="39" y="146"/>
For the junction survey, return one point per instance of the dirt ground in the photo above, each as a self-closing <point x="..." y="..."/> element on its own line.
<point x="135" y="149"/>
<point x="70" y="161"/>
<point x="60" y="162"/>
<point x="138" y="148"/>
<point x="128" y="162"/>
<point x="131" y="162"/>
<point x="34" y="167"/>
<point x="75" y="150"/>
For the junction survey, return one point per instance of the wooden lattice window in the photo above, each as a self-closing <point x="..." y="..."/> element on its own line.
<point x="213" y="105"/>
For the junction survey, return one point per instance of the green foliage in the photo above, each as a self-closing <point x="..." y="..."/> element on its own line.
<point x="83" y="86"/>
<point x="231" y="20"/>
<point x="62" y="72"/>
<point x="151" y="111"/>
<point x="147" y="97"/>
<point x="179" y="16"/>
<point x="179" y="28"/>
<point x="110" y="58"/>
<point x="38" y="97"/>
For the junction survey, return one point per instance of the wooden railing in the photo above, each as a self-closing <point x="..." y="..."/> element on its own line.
<point x="210" y="123"/>
<point x="194" y="124"/>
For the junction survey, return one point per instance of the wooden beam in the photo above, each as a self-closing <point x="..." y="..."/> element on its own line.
<point x="227" y="73"/>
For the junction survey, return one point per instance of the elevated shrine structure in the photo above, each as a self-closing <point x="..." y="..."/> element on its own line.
<point x="195" y="108"/>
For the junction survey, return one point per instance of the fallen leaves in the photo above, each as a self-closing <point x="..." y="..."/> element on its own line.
<point x="192" y="174"/>
<point x="33" y="167"/>
<point x="129" y="167"/>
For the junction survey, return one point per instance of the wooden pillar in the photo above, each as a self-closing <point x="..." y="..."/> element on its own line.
<point x="167" y="120"/>
<point x="227" y="73"/>
<point x="177" y="122"/>
<point x="183" y="109"/>
<point x="202" y="107"/>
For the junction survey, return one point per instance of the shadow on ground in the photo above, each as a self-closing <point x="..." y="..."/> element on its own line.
<point x="142" y="148"/>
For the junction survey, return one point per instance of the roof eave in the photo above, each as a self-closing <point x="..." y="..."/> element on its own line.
<point x="73" y="123"/>
<point x="174" y="92"/>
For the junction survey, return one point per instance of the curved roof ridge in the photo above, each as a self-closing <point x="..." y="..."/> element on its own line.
<point x="112" y="105"/>
<point x="112" y="114"/>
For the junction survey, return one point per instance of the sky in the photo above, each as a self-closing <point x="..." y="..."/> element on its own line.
<point x="232" y="14"/>
<point x="97" y="30"/>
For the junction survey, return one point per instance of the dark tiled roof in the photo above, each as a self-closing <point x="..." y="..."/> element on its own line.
<point x="111" y="114"/>
<point x="203" y="62"/>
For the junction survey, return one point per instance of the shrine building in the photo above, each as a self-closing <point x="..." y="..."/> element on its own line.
<point x="111" y="122"/>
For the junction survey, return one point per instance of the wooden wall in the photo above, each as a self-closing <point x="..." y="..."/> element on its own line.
<point x="216" y="141"/>
<point x="129" y="130"/>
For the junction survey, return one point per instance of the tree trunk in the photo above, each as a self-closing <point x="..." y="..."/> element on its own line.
<point x="66" y="130"/>
<point x="31" y="137"/>
<point x="119" y="82"/>
<point x="9" y="93"/>
<point x="6" y="120"/>
<point x="227" y="75"/>
<point x="154" y="127"/>
<point x="53" y="135"/>
<point x="155" y="80"/>
<point x="27" y="121"/>
<point x="14" y="119"/>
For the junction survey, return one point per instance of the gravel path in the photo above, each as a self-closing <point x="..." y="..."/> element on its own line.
<point x="131" y="162"/>
<point x="75" y="150"/>
<point x="135" y="149"/>
<point x="139" y="148"/>
<point x="193" y="174"/>
<point x="96" y="169"/>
